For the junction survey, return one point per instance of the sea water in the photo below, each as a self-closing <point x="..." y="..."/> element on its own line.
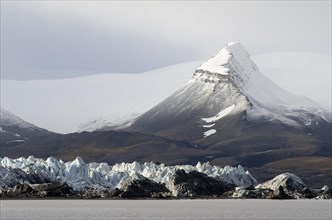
<point x="165" y="209"/>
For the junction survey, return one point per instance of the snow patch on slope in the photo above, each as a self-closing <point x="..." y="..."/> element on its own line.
<point x="108" y="123"/>
<point x="210" y="132"/>
<point x="15" y="141"/>
<point x="208" y="126"/>
<point x="215" y="118"/>
<point x="220" y="115"/>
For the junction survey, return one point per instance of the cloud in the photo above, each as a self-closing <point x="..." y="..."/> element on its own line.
<point x="61" y="39"/>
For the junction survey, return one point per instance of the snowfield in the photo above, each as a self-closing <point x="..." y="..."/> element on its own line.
<point x="92" y="102"/>
<point x="298" y="71"/>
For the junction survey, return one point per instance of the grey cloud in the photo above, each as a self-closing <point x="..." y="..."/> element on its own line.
<point x="66" y="39"/>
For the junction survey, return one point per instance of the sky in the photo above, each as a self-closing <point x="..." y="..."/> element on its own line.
<point x="64" y="39"/>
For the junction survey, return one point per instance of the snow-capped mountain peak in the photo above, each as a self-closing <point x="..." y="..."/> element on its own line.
<point x="234" y="63"/>
<point x="232" y="60"/>
<point x="267" y="100"/>
<point x="217" y="64"/>
<point x="229" y="84"/>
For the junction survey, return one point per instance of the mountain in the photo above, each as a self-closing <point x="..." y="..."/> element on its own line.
<point x="14" y="130"/>
<point x="230" y="107"/>
<point x="229" y="85"/>
<point x="229" y="113"/>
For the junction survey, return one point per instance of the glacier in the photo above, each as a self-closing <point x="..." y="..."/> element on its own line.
<point x="38" y="178"/>
<point x="283" y="180"/>
<point x="80" y="175"/>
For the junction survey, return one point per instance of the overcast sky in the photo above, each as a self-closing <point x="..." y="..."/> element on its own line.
<point x="44" y="39"/>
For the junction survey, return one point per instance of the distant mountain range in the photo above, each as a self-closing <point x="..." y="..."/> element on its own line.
<point x="229" y="113"/>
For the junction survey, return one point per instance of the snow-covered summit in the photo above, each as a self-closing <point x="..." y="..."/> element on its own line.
<point x="80" y="175"/>
<point x="218" y="63"/>
<point x="267" y="100"/>
<point x="232" y="60"/>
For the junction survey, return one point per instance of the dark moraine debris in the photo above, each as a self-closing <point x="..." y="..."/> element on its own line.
<point x="19" y="190"/>
<point x="53" y="190"/>
<point x="195" y="184"/>
<point x="144" y="188"/>
<point x="280" y="194"/>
